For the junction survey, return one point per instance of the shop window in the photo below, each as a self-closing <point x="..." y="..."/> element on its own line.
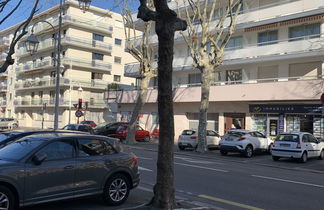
<point x="259" y="123"/>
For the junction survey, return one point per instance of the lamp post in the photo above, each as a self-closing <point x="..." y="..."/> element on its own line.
<point x="32" y="45"/>
<point x="80" y="90"/>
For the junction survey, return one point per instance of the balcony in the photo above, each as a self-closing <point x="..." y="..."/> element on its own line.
<point x="35" y="67"/>
<point x="3" y="87"/>
<point x="4" y="43"/>
<point x="132" y="70"/>
<point x="3" y="58"/>
<point x="39" y="102"/>
<point x="273" y="89"/>
<point x="64" y="82"/>
<point x="43" y="46"/>
<point x="88" y="43"/>
<point x="102" y="66"/>
<point x="3" y="103"/>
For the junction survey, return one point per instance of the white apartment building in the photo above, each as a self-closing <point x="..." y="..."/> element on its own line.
<point x="93" y="57"/>
<point x="271" y="79"/>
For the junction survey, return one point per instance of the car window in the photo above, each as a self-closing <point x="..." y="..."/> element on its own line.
<point x="236" y="133"/>
<point x="57" y="150"/>
<point x="83" y="128"/>
<point x="122" y="127"/>
<point x="211" y="133"/>
<point x="288" y="137"/>
<point x="93" y="147"/>
<point x="139" y="128"/>
<point x="188" y="132"/>
<point x="312" y="138"/>
<point x="259" y="135"/>
<point x="305" y="138"/>
<point x="69" y="127"/>
<point x="18" y="149"/>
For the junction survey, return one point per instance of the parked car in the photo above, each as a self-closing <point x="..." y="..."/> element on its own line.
<point x="89" y="122"/>
<point x="189" y="139"/>
<point x="155" y="134"/>
<point x="140" y="133"/>
<point x="79" y="127"/>
<point x="246" y="142"/>
<point x="299" y="145"/>
<point x="44" y="168"/>
<point x="9" y="123"/>
<point x="8" y="137"/>
<point x="106" y="129"/>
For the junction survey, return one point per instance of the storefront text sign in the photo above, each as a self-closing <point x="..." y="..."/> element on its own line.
<point x="286" y="108"/>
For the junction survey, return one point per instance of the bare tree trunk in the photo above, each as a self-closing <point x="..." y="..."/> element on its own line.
<point x="141" y="99"/>
<point x="204" y="104"/>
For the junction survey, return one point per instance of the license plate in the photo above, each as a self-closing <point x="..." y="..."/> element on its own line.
<point x="285" y="145"/>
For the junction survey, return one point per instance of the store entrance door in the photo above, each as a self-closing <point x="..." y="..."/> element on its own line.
<point x="272" y="127"/>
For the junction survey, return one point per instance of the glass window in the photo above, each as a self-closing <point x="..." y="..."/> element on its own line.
<point x="58" y="150"/>
<point x="234" y="43"/>
<point x="118" y="41"/>
<point x="97" y="56"/>
<point x="305" y="138"/>
<point x="95" y="75"/>
<point x="304" y="31"/>
<point x="194" y="78"/>
<point x="117" y="59"/>
<point x="211" y="133"/>
<point x="288" y="137"/>
<point x="267" y="38"/>
<point x="18" y="149"/>
<point x="235" y="76"/>
<point x="117" y="78"/>
<point x="93" y="147"/>
<point x="98" y="37"/>
<point x="188" y="132"/>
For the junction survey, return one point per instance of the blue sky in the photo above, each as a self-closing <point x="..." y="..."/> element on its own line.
<point x="24" y="10"/>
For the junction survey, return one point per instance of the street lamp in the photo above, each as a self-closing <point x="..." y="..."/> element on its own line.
<point x="84" y="5"/>
<point x="31" y="44"/>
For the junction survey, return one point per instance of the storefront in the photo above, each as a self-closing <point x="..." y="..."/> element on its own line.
<point x="273" y="119"/>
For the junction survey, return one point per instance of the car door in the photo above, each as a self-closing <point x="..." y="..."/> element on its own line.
<point x="93" y="164"/>
<point x="212" y="138"/>
<point x="307" y="145"/>
<point x="54" y="177"/>
<point x="315" y="146"/>
<point x="263" y="140"/>
<point x="140" y="133"/>
<point x="254" y="140"/>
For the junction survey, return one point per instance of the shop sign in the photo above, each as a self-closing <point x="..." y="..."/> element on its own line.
<point x="286" y="108"/>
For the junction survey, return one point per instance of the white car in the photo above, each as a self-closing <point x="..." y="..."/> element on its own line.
<point x="245" y="142"/>
<point x="299" y="145"/>
<point x="189" y="139"/>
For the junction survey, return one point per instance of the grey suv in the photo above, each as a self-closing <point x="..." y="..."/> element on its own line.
<point x="56" y="166"/>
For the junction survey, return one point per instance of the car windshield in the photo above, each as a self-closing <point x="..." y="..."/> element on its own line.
<point x="236" y="133"/>
<point x="70" y="127"/>
<point x="101" y="125"/>
<point x="288" y="137"/>
<point x="122" y="127"/>
<point x="4" y="136"/>
<point x="18" y="149"/>
<point x="188" y="132"/>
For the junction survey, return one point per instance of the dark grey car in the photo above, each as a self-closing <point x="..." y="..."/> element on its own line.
<point x="51" y="167"/>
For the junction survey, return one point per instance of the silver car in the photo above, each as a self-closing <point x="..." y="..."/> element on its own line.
<point x="9" y="123"/>
<point x="56" y="166"/>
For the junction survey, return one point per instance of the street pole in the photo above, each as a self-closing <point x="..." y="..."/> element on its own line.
<point x="70" y="102"/>
<point x="58" y="70"/>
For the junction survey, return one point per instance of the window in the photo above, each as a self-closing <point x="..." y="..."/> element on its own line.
<point x="40" y="94"/>
<point x="96" y="75"/>
<point x="97" y="56"/>
<point x="300" y="32"/>
<point x="58" y="150"/>
<point x="234" y="43"/>
<point x="118" y="41"/>
<point x="194" y="78"/>
<point x="267" y="38"/>
<point x="234" y="75"/>
<point x="117" y="78"/>
<point x="155" y="118"/>
<point x="92" y="147"/>
<point x="98" y="37"/>
<point x="212" y="133"/>
<point x="117" y="59"/>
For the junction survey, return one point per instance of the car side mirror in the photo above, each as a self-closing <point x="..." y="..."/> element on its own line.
<point x="38" y="159"/>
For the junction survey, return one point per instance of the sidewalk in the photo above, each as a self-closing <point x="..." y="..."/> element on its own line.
<point x="263" y="159"/>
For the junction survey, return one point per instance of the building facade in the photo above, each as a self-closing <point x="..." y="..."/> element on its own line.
<point x="271" y="79"/>
<point x="92" y="60"/>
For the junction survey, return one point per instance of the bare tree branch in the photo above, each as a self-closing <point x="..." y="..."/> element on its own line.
<point x="9" y="60"/>
<point x="11" y="12"/>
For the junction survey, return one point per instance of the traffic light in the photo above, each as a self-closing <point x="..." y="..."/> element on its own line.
<point x="80" y="103"/>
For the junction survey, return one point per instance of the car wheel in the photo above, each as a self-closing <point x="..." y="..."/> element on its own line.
<point x="303" y="158"/>
<point x="14" y="126"/>
<point x="248" y="151"/>
<point x="275" y="158"/>
<point x="223" y="152"/>
<point x="181" y="147"/>
<point x="321" y="157"/>
<point x="116" y="190"/>
<point x="147" y="138"/>
<point x="7" y="200"/>
<point x="269" y="148"/>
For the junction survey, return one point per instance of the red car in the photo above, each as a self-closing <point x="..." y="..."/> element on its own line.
<point x="89" y="122"/>
<point x="140" y="134"/>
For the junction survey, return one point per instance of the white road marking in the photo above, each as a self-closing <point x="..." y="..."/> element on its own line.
<point x="212" y="169"/>
<point x="144" y="169"/>
<point x="145" y="189"/>
<point x="190" y="160"/>
<point x="290" y="181"/>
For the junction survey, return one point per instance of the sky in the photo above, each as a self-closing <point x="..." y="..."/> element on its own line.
<point x="24" y="10"/>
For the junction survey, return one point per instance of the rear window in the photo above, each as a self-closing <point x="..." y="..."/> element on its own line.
<point x="188" y="132"/>
<point x="288" y="137"/>
<point x="70" y="127"/>
<point x="236" y="133"/>
<point x="122" y="127"/>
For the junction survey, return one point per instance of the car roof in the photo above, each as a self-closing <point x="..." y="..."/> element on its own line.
<point x="295" y="132"/>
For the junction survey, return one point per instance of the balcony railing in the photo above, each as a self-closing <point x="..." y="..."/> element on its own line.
<point x="3" y="103"/>
<point x="51" y="102"/>
<point x="87" y="43"/>
<point x="88" y="63"/>
<point x="39" y="64"/>
<point x="4" y="43"/>
<point x="3" y="87"/>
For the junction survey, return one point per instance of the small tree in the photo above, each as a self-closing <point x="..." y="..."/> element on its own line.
<point x="166" y="23"/>
<point x="206" y="39"/>
<point x="142" y="52"/>
<point x="19" y="32"/>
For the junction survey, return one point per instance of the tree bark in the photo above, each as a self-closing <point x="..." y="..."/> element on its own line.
<point x="141" y="99"/>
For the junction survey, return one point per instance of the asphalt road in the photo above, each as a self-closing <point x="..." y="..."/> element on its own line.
<point x="217" y="182"/>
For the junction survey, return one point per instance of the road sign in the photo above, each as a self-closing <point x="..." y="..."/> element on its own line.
<point x="322" y="98"/>
<point x="75" y="105"/>
<point x="78" y="113"/>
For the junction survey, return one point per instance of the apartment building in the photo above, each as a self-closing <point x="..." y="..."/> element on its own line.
<point x="271" y="79"/>
<point x="92" y="60"/>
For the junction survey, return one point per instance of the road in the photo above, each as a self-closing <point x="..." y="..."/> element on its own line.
<point x="217" y="182"/>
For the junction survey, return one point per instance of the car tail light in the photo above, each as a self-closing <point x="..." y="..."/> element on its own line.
<point x="193" y="137"/>
<point x="241" y="138"/>
<point x="134" y="160"/>
<point x="298" y="145"/>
